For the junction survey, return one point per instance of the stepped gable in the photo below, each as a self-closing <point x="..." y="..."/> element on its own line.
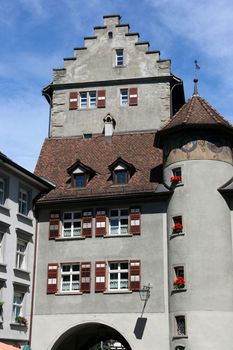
<point x="197" y="112"/>
<point x="59" y="154"/>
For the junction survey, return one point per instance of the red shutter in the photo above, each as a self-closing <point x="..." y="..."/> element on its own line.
<point x="87" y="223"/>
<point x="100" y="276"/>
<point x="135" y="221"/>
<point x="54" y="225"/>
<point x="100" y="223"/>
<point x="135" y="274"/>
<point x="73" y="100"/>
<point x="101" y="99"/>
<point x="85" y="277"/>
<point x="133" y="96"/>
<point x="52" y="280"/>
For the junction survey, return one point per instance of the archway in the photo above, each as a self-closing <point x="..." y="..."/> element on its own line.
<point x="90" y="336"/>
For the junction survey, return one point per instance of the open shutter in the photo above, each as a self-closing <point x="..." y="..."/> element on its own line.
<point x="100" y="276"/>
<point x="52" y="280"/>
<point x="135" y="274"/>
<point x="135" y="221"/>
<point x="100" y="223"/>
<point x="54" y="225"/>
<point x="133" y="96"/>
<point x="85" y="278"/>
<point x="73" y="100"/>
<point x="101" y="99"/>
<point x="87" y="223"/>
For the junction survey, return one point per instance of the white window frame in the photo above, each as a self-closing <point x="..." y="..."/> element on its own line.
<point x="119" y="281"/>
<point x="17" y="307"/>
<point x="72" y="221"/>
<point x="120" y="229"/>
<point x="23" y="202"/>
<point x="88" y="99"/>
<point x="21" y="254"/>
<point x="119" y="57"/>
<point x="71" y="273"/>
<point x="124" y="97"/>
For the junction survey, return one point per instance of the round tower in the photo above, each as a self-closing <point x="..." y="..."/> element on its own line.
<point x="197" y="149"/>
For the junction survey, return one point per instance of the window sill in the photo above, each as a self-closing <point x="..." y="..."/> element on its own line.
<point x="25" y="219"/>
<point x="118" y="235"/>
<point x="18" y="325"/>
<point x="174" y="185"/>
<point x="68" y="293"/>
<point x="180" y="337"/>
<point x="70" y="238"/>
<point x="118" y="292"/>
<point x="26" y="272"/>
<point x="120" y="66"/>
<point x="174" y="291"/>
<point x="173" y="235"/>
<point x="4" y="209"/>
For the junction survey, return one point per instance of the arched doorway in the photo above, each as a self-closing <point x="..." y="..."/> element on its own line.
<point x="91" y="336"/>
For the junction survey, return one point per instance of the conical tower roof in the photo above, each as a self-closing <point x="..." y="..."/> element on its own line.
<point x="195" y="113"/>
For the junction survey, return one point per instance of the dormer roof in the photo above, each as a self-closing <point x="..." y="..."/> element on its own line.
<point x="196" y="113"/>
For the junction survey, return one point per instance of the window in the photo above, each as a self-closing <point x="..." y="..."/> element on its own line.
<point x="180" y="347"/>
<point x="118" y="221"/>
<point x="1" y="246"/>
<point x="23" y="201"/>
<point x="2" y="190"/>
<point x="124" y="97"/>
<point x="176" y="177"/>
<point x="20" y="254"/>
<point x="121" y="177"/>
<point x="110" y="35"/>
<point x="72" y="224"/>
<point x="179" y="280"/>
<point x="17" y="305"/>
<point x="70" y="274"/>
<point x="88" y="99"/>
<point x="118" y="275"/>
<point x="177" y="225"/>
<point x="80" y="180"/>
<point x="180" y="326"/>
<point x="119" y="57"/>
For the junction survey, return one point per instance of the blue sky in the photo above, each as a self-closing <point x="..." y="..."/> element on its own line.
<point x="35" y="35"/>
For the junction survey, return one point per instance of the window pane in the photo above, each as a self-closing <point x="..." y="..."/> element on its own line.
<point x="121" y="177"/>
<point x="92" y="97"/>
<point x="80" y="180"/>
<point x="75" y="267"/>
<point x="66" y="268"/>
<point x="113" y="266"/>
<point x="124" y="266"/>
<point x="67" y="216"/>
<point x="83" y="99"/>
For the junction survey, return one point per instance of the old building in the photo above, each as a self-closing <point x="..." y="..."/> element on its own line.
<point x="133" y="207"/>
<point x="18" y="190"/>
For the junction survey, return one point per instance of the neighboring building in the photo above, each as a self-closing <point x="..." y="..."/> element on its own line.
<point x="18" y="190"/>
<point x="132" y="206"/>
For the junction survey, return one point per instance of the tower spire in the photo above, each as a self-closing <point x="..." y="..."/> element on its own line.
<point x="195" y="80"/>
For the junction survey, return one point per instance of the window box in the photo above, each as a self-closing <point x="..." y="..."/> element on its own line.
<point x="177" y="228"/>
<point x="21" y="320"/>
<point x="176" y="179"/>
<point x="179" y="283"/>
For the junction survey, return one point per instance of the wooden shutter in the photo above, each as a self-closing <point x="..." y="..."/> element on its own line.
<point x="100" y="223"/>
<point x="54" y="225"/>
<point x="133" y="96"/>
<point x="101" y="99"/>
<point x="100" y="276"/>
<point x="135" y="221"/>
<point x="87" y="223"/>
<point x="52" y="280"/>
<point x="135" y="274"/>
<point x="73" y="100"/>
<point x="85" y="277"/>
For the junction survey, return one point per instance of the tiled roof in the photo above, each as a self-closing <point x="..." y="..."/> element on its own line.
<point x="196" y="111"/>
<point x="97" y="153"/>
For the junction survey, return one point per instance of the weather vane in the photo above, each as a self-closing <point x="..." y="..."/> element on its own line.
<point x="195" y="80"/>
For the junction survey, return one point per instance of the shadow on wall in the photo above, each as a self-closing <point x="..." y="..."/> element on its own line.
<point x="140" y="327"/>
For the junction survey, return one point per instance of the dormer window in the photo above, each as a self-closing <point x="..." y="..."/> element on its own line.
<point x="80" y="175"/>
<point x="121" y="172"/>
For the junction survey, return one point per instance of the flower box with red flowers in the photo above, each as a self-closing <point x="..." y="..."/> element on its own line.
<point x="21" y="320"/>
<point x="178" y="227"/>
<point x="176" y="179"/>
<point x="179" y="283"/>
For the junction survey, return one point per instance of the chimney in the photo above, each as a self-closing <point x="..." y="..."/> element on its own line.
<point x="109" y="125"/>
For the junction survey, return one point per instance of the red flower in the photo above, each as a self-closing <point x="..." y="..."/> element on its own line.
<point x="176" y="178"/>
<point x="179" y="282"/>
<point x="177" y="227"/>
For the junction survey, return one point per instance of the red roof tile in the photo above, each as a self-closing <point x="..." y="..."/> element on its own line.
<point x="97" y="153"/>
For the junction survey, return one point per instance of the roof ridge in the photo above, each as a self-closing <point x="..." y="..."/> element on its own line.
<point x="190" y="109"/>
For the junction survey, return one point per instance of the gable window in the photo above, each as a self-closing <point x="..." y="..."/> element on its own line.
<point x="118" y="275"/>
<point x="24" y="197"/>
<point x="87" y="99"/>
<point x="119" y="57"/>
<point x="124" y="97"/>
<point x="118" y="222"/>
<point x="70" y="275"/>
<point x="21" y="254"/>
<point x="180" y="326"/>
<point x="72" y="224"/>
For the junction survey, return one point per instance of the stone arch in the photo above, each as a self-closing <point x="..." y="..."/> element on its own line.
<point x="86" y="335"/>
